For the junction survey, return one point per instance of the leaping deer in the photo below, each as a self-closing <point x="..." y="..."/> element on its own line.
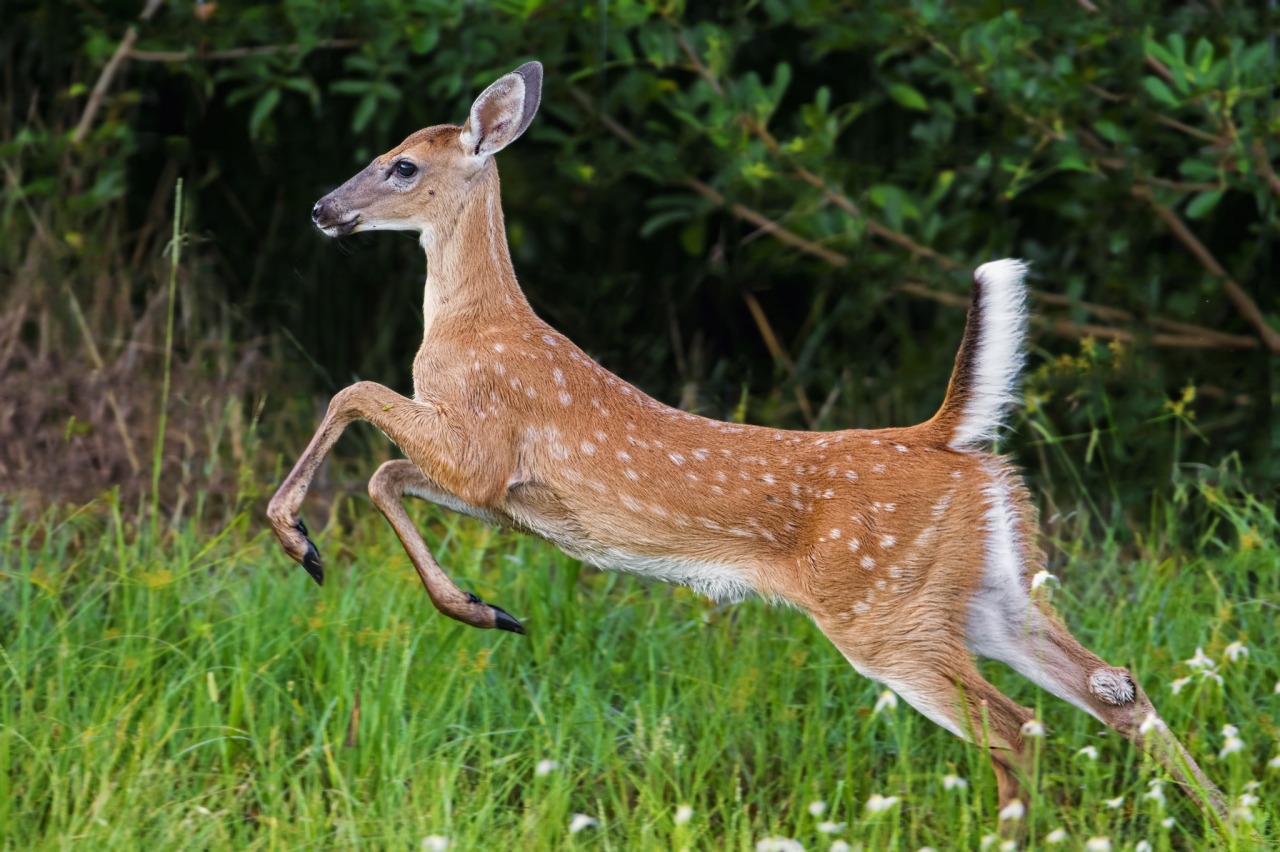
<point x="913" y="549"/>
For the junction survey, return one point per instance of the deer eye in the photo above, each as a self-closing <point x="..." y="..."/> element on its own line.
<point x="404" y="168"/>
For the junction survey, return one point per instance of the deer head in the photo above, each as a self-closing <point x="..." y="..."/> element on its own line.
<point x="426" y="178"/>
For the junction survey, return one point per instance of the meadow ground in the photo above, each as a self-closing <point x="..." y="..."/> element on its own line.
<point x="203" y="693"/>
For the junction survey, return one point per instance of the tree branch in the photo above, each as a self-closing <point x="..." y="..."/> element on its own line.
<point x="1185" y="335"/>
<point x="1245" y="304"/>
<point x="238" y="52"/>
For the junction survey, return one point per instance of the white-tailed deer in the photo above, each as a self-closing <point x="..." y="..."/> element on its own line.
<point x="912" y="548"/>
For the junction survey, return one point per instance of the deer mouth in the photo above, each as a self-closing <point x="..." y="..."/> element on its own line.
<point x="340" y="229"/>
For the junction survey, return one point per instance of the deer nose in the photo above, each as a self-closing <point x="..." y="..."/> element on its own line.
<point x="317" y="212"/>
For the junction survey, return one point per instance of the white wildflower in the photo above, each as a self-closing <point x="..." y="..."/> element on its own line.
<point x="828" y="827"/>
<point x="1040" y="578"/>
<point x="1252" y="786"/>
<point x="886" y="701"/>
<point x="926" y="849"/>
<point x="1178" y="684"/>
<point x="1201" y="660"/>
<point x="988" y="840"/>
<point x="1058" y="835"/>
<point x="1242" y="813"/>
<point x="779" y="844"/>
<point x="878" y="803"/>
<point x="1274" y="763"/>
<point x="581" y="821"/>
<point x="1090" y="752"/>
<point x="817" y="808"/>
<point x="1115" y="803"/>
<point x="684" y="813"/>
<point x="1248" y="800"/>
<point x="1098" y="844"/>
<point x="1236" y="650"/>
<point x="1034" y="728"/>
<point x="1211" y="675"/>
<point x="1013" y="811"/>
<point x="1156" y="793"/>
<point x="435" y="843"/>
<point x="1009" y="846"/>
<point x="1232" y="743"/>
<point x="953" y="782"/>
<point x="1142" y="846"/>
<point x="546" y="767"/>
<point x="840" y="846"/>
<point x="1152" y="722"/>
<point x="1168" y="822"/>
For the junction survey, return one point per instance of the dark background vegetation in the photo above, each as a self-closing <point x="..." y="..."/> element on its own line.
<point x="761" y="210"/>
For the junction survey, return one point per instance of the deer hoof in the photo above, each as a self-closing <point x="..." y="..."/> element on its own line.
<point x="311" y="557"/>
<point x="502" y="620"/>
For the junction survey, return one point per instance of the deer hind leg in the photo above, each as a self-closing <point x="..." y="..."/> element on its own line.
<point x="387" y="488"/>
<point x="943" y="684"/>
<point x="1038" y="647"/>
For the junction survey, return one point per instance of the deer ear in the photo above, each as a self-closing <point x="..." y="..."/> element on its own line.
<point x="503" y="111"/>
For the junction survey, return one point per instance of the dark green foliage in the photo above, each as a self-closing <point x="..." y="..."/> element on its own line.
<point x="970" y="130"/>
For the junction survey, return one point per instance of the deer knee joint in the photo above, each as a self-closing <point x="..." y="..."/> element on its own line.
<point x="1113" y="686"/>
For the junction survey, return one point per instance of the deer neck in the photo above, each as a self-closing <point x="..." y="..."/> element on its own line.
<point x="469" y="271"/>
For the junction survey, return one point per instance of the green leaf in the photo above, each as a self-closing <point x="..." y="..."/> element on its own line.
<point x="1202" y="58"/>
<point x="424" y="40"/>
<point x="262" y="111"/>
<point x="658" y="221"/>
<point x="350" y="87"/>
<point x="1110" y="131"/>
<point x="1158" y="90"/>
<point x="908" y="97"/>
<point x="364" y="112"/>
<point x="694" y="237"/>
<point x="1072" y="161"/>
<point x="1203" y="204"/>
<point x="1198" y="169"/>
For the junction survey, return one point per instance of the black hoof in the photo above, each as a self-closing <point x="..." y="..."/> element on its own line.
<point x="502" y="620"/>
<point x="311" y="561"/>
<point x="301" y="527"/>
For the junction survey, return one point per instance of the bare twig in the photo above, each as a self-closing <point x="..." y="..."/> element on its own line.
<point x="1188" y="336"/>
<point x="779" y="353"/>
<point x="1159" y="67"/>
<point x="776" y="349"/>
<point x="1179" y="186"/>
<point x="739" y="211"/>
<point x="703" y="71"/>
<point x="1196" y="132"/>
<point x="846" y="204"/>
<point x="116" y="413"/>
<point x="104" y="82"/>
<point x="1263" y="165"/>
<point x="1245" y="304"/>
<point x="237" y="52"/>
<point x="109" y="72"/>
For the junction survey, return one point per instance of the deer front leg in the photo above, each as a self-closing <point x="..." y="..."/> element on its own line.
<point x="423" y="429"/>
<point x="387" y="488"/>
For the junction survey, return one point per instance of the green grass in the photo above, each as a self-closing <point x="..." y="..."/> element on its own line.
<point x="204" y="693"/>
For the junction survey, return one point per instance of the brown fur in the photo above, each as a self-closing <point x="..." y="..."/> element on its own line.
<point x="881" y="536"/>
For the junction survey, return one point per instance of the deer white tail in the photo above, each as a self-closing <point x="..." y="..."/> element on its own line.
<point x="990" y="358"/>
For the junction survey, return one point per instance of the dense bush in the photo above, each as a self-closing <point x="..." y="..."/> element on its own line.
<point x="760" y="209"/>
